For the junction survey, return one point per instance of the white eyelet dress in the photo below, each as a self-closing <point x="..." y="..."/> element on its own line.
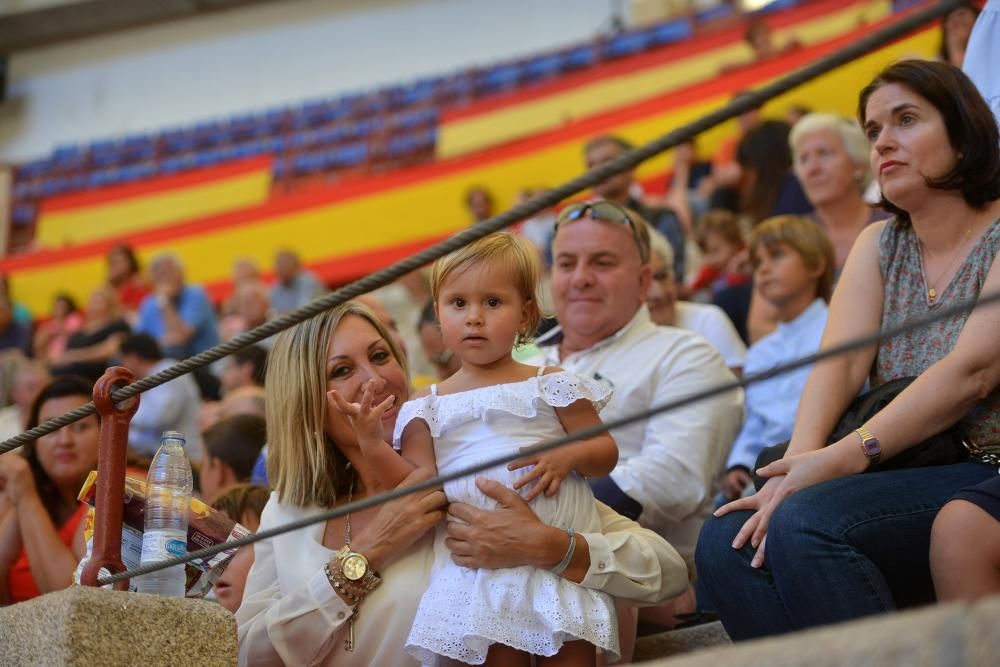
<point x="464" y="610"/>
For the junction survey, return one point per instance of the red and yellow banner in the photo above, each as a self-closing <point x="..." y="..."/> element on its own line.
<point x="127" y="209"/>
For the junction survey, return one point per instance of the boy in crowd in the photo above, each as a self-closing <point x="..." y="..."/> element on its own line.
<point x="231" y="449"/>
<point x="793" y="271"/>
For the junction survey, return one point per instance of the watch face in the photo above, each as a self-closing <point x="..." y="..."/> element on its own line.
<point x="872" y="447"/>
<point x="354" y="567"/>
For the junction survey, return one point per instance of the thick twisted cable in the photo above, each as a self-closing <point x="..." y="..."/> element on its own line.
<point x="358" y="505"/>
<point x="522" y="211"/>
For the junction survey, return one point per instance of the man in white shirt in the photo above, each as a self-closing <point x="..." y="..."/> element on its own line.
<point x="669" y="464"/>
<point x="173" y="406"/>
<point x="705" y="319"/>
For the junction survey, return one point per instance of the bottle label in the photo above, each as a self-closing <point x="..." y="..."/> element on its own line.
<point x="159" y="545"/>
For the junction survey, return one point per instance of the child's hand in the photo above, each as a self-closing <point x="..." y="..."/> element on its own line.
<point x="364" y="417"/>
<point x="551" y="468"/>
<point x="734" y="482"/>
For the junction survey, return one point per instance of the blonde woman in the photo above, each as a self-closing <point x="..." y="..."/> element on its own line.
<point x="345" y="592"/>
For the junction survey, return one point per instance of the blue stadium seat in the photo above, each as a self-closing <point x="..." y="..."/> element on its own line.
<point x="499" y="79"/>
<point x="670" y="32"/>
<point x="33" y="169"/>
<point x="351" y="155"/>
<point x="544" y="67"/>
<point x="580" y="57"/>
<point x="23" y="214"/>
<point x="55" y="186"/>
<point x="626" y="44"/>
<point x="67" y="156"/>
<point x="174" y="164"/>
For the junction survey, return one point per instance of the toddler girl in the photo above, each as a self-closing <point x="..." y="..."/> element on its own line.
<point x="485" y="296"/>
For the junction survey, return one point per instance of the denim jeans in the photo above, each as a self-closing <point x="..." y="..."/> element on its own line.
<point x="835" y="551"/>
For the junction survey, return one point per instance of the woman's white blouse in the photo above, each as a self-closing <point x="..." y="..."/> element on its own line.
<point x="291" y="615"/>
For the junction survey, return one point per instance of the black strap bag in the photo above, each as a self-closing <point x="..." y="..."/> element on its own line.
<point x="949" y="446"/>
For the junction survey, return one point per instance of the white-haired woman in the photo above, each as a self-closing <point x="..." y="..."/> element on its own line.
<point x="830" y="155"/>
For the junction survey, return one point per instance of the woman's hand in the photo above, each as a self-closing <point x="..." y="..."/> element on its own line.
<point x="509" y="535"/>
<point x="399" y="523"/>
<point x="785" y="477"/>
<point x="16" y="480"/>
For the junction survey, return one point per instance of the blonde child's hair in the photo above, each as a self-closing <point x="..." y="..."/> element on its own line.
<point x="806" y="238"/>
<point x="514" y="253"/>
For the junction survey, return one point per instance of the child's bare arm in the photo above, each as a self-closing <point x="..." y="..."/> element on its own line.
<point x="596" y="456"/>
<point x="366" y="419"/>
<point x="593" y="457"/>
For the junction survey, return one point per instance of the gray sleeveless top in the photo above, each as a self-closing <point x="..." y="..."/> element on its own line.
<point x="906" y="298"/>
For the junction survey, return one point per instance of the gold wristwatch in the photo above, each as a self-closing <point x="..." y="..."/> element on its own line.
<point x="355" y="569"/>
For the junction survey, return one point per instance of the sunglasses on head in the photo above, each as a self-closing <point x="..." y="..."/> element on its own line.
<point x="604" y="211"/>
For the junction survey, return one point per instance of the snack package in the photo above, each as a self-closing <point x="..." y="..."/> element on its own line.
<point x="206" y="527"/>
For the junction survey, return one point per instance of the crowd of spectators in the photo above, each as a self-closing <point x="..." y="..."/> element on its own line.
<point x="779" y="251"/>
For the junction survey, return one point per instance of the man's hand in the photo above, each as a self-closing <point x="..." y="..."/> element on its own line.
<point x="510" y="535"/>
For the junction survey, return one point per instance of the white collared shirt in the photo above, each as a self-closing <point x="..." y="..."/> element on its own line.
<point x="669" y="463"/>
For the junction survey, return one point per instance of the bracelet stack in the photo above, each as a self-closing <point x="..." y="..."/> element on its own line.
<point x="341" y="584"/>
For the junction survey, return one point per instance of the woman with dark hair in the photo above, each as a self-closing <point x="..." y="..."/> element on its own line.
<point x="767" y="186"/>
<point x="125" y="275"/>
<point x="41" y="536"/>
<point x="821" y="543"/>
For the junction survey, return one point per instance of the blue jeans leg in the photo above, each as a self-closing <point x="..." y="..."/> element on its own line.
<point x="835" y="551"/>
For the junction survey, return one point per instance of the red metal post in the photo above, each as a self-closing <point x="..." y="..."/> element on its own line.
<point x="110" y="500"/>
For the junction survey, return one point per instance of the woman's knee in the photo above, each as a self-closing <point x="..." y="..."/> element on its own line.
<point x="957" y="533"/>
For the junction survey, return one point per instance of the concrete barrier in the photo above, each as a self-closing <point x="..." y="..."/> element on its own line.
<point x="950" y="635"/>
<point x="89" y="626"/>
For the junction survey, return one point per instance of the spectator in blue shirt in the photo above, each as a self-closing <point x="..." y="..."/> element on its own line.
<point x="179" y="316"/>
<point x="794" y="266"/>
<point x="295" y="287"/>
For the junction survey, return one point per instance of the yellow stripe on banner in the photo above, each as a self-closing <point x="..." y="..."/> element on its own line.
<point x="141" y="212"/>
<point x="465" y="135"/>
<point x="431" y="208"/>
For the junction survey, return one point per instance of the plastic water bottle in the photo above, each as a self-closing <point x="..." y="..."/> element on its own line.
<point x="168" y="495"/>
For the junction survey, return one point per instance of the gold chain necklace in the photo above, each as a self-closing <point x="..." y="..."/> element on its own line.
<point x="349" y="642"/>
<point x="932" y="293"/>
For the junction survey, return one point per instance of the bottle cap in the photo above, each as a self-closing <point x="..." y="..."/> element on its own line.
<point x="173" y="435"/>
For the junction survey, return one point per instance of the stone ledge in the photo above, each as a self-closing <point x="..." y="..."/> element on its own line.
<point x="88" y="626"/>
<point x="953" y="635"/>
